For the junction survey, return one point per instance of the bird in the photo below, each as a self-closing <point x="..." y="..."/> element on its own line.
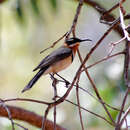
<point x="56" y="61"/>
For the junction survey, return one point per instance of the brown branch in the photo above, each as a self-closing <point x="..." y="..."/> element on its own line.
<point x="78" y="72"/>
<point x="21" y="126"/>
<point x="85" y="60"/>
<point x="55" y="95"/>
<point x="75" y="20"/>
<point x="32" y="118"/>
<point x="42" y="102"/>
<point x="111" y="9"/>
<point x="127" y="64"/>
<point x="102" y="10"/>
<point x="96" y="90"/>
<point x="95" y="114"/>
<point x="81" y="88"/>
<point x="54" y="43"/>
<point x="78" y="103"/>
<point x="121" y="111"/>
<point x="44" y="120"/>
<point x="52" y="104"/>
<point x="125" y="115"/>
<point x="104" y="59"/>
<point x="25" y="99"/>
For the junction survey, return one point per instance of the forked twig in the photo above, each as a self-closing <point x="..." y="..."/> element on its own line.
<point x="112" y="45"/>
<point x="104" y="59"/>
<point x="81" y="88"/>
<point x="121" y="111"/>
<point x="109" y="20"/>
<point x="96" y="90"/>
<point x="95" y="114"/>
<point x="125" y="115"/>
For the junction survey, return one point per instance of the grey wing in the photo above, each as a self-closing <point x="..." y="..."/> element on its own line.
<point x="54" y="57"/>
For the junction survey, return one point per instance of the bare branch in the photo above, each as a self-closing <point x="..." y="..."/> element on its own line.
<point x="32" y="118"/>
<point x="97" y="115"/>
<point x="125" y="115"/>
<point x="121" y="111"/>
<point x="73" y="27"/>
<point x="104" y="59"/>
<point x="25" y="99"/>
<point x="54" y="43"/>
<point x="127" y="64"/>
<point x="86" y="91"/>
<point x="78" y="103"/>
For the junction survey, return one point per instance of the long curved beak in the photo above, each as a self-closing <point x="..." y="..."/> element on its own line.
<point x="85" y="40"/>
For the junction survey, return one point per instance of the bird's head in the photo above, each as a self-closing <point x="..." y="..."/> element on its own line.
<point x="72" y="42"/>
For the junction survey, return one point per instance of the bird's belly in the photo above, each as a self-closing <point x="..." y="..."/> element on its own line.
<point x="58" y="66"/>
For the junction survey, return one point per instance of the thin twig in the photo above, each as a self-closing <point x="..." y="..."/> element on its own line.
<point x="21" y="126"/>
<point x="46" y="103"/>
<point x="67" y="82"/>
<point x="25" y="99"/>
<point x="54" y="43"/>
<point x="50" y="106"/>
<point x="124" y="116"/>
<point x="55" y="95"/>
<point x="78" y="10"/>
<point x="122" y="12"/>
<point x="109" y="20"/>
<point x="127" y="64"/>
<point x="97" y="115"/>
<point x="126" y="124"/>
<point x="85" y="60"/>
<point x="78" y="103"/>
<point x="121" y="111"/>
<point x="9" y="114"/>
<point x="70" y="88"/>
<point x="104" y="59"/>
<point x="99" y="97"/>
<point x="113" y="44"/>
<point x="45" y="117"/>
<point x="101" y="10"/>
<point x="96" y="90"/>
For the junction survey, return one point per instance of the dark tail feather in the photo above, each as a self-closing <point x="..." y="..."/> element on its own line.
<point x="34" y="80"/>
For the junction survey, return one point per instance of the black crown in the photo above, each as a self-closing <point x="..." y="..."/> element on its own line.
<point x="73" y="40"/>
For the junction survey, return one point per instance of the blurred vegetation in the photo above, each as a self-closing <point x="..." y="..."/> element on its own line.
<point x="29" y="26"/>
